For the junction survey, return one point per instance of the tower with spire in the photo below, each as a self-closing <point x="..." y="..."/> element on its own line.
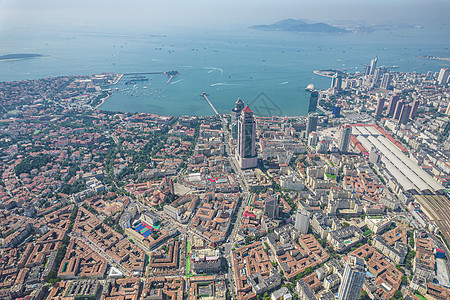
<point x="246" y="155"/>
<point x="235" y="113"/>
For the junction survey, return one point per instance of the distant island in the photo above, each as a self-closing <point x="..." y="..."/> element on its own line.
<point x="434" y="57"/>
<point x="18" y="56"/>
<point x="298" y="26"/>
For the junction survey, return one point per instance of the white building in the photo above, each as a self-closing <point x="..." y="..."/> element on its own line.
<point x="302" y="221"/>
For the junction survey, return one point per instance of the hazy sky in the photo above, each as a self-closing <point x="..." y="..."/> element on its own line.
<point x="164" y="14"/>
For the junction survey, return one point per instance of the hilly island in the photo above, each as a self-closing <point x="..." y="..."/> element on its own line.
<point x="298" y="26"/>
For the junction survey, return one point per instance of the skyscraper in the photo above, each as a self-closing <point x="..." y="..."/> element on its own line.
<point x="235" y="113"/>
<point x="353" y="280"/>
<point x="272" y="206"/>
<point x="393" y="104"/>
<point x="302" y="221"/>
<point x="398" y="109"/>
<point x="414" y="108"/>
<point x="344" y="138"/>
<point x="380" y="106"/>
<point x="313" y="101"/>
<point x="377" y="74"/>
<point x="385" y="81"/>
<point x="313" y="139"/>
<point x="246" y="154"/>
<point x="404" y="115"/>
<point x="443" y="76"/>
<point x="336" y="81"/>
<point x="373" y="65"/>
<point x="311" y="123"/>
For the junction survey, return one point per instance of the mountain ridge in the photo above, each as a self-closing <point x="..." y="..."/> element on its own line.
<point x="294" y="25"/>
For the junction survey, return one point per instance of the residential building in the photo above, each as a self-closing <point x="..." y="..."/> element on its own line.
<point x="353" y="280"/>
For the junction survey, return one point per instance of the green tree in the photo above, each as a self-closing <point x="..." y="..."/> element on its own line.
<point x="398" y="294"/>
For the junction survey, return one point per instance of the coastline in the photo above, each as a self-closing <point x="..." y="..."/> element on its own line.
<point x="324" y="73"/>
<point x="102" y="102"/>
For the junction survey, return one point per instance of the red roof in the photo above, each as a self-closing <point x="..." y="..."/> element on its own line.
<point x="247" y="110"/>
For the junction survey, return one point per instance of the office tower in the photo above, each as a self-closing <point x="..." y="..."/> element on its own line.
<point x="398" y="109"/>
<point x="311" y="123"/>
<point x="272" y="206"/>
<point x="313" y="101"/>
<point x="302" y="221"/>
<point x="336" y="81"/>
<point x="235" y="113"/>
<point x="353" y="279"/>
<point x="414" y="108"/>
<point x="246" y="155"/>
<point x="377" y="74"/>
<point x="367" y="70"/>
<point x="336" y="111"/>
<point x="393" y="104"/>
<point x="404" y="115"/>
<point x="373" y="65"/>
<point x="385" y="81"/>
<point x="429" y="75"/>
<point x="380" y="106"/>
<point x="443" y="76"/>
<point x="313" y="139"/>
<point x="344" y="138"/>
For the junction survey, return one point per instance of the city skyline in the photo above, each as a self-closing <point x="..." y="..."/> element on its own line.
<point x="171" y="150"/>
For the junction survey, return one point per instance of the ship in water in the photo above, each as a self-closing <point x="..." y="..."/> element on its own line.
<point x="310" y="87"/>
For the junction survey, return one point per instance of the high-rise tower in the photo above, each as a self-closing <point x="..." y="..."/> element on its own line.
<point x="385" y="81"/>
<point x="353" y="280"/>
<point x="393" y="105"/>
<point x="344" y="138"/>
<point x="373" y="65"/>
<point x="313" y="101"/>
<point x="235" y="113"/>
<point x="398" y="109"/>
<point x="311" y="123"/>
<point x="302" y="221"/>
<point x="414" y="108"/>
<point x="443" y="76"/>
<point x="380" y="106"/>
<point x="404" y="115"/>
<point x="246" y="145"/>
<point x="272" y="206"/>
<point x="336" y="81"/>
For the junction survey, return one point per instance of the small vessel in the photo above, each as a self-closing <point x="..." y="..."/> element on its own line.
<point x="310" y="87"/>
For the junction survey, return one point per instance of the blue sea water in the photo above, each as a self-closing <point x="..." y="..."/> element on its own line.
<point x="272" y="66"/>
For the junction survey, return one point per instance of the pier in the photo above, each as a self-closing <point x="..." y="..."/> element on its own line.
<point x="205" y="96"/>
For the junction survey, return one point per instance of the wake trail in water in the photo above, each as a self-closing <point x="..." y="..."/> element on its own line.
<point x="177" y="81"/>
<point x="214" y="69"/>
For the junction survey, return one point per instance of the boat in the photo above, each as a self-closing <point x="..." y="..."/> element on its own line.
<point x="310" y="87"/>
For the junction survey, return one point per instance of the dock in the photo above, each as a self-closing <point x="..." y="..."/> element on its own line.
<point x="204" y="95"/>
<point x="170" y="74"/>
<point x="170" y="78"/>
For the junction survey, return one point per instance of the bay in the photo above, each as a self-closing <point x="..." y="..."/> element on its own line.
<point x="269" y="70"/>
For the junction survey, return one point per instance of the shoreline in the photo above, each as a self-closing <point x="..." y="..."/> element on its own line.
<point x="323" y="73"/>
<point x="97" y="107"/>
